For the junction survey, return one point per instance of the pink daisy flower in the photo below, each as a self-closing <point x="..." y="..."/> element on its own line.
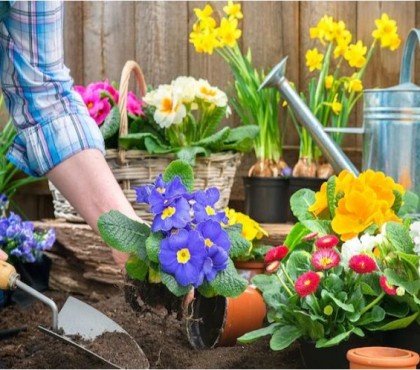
<point x="276" y="254"/>
<point x="386" y="286"/>
<point x="327" y="241"/>
<point x="362" y="264"/>
<point x="307" y="283"/>
<point x="324" y="259"/>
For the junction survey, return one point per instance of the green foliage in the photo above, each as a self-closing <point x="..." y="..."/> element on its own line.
<point x="410" y="204"/>
<point x="284" y="336"/>
<point x="399" y="236"/>
<point x="394" y="324"/>
<point x="331" y="195"/>
<point x="298" y="263"/>
<point x="111" y="124"/>
<point x="228" y="283"/>
<point x="295" y="236"/>
<point x="241" y="139"/>
<point x="322" y="227"/>
<point x="123" y="233"/>
<point x="173" y="286"/>
<point x="257" y="334"/>
<point x="239" y="245"/>
<point x="300" y="202"/>
<point x="181" y="169"/>
<point x="136" y="268"/>
<point x="153" y="246"/>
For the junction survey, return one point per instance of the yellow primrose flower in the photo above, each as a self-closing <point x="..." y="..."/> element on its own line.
<point x="229" y="32"/>
<point x="233" y="10"/>
<point x="329" y="81"/>
<point x="386" y="32"/>
<point x="336" y="106"/>
<point x="314" y="59"/>
<point x="355" y="54"/>
<point x="354" y="84"/>
<point x="251" y="229"/>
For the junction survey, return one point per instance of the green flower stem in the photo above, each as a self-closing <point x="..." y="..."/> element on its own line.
<point x="286" y="274"/>
<point x="284" y="285"/>
<point x="373" y="303"/>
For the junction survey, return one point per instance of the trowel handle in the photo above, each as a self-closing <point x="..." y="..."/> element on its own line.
<point x="412" y="41"/>
<point x="8" y="276"/>
<point x="9" y="279"/>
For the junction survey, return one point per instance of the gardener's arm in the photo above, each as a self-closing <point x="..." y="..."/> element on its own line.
<point x="56" y="136"/>
<point x="3" y="256"/>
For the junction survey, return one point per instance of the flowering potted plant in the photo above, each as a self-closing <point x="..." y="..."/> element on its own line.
<point x="351" y="269"/>
<point x="25" y="247"/>
<point x="184" y="118"/>
<point x="255" y="108"/>
<point x="332" y="94"/>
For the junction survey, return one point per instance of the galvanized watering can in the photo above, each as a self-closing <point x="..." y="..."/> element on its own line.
<point x="391" y="123"/>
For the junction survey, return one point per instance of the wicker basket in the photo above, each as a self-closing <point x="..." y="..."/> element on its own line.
<point x="134" y="168"/>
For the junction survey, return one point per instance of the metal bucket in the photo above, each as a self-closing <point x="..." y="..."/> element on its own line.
<point x="392" y="125"/>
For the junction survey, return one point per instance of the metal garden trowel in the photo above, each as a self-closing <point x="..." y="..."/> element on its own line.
<point x="81" y="325"/>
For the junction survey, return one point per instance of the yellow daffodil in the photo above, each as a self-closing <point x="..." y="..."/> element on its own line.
<point x="354" y="85"/>
<point x="340" y="33"/>
<point x="386" y="32"/>
<point x="204" y="41"/>
<point x="336" y="106"/>
<point x="324" y="30"/>
<point x="204" y="13"/>
<point x="329" y="81"/>
<point x="355" y="54"/>
<point x="233" y="10"/>
<point x="228" y="32"/>
<point x="314" y="59"/>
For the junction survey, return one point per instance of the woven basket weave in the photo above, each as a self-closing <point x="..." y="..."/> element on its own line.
<point x="134" y="168"/>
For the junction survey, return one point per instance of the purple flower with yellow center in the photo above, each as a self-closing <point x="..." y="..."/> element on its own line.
<point x="204" y="206"/>
<point x="214" y="235"/>
<point x="182" y="255"/>
<point x="169" y="215"/>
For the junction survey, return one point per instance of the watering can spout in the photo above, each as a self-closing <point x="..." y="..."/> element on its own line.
<point x="332" y="152"/>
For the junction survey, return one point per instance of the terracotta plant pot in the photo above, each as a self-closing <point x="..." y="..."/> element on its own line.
<point x="220" y="321"/>
<point x="382" y="358"/>
<point x="248" y="269"/>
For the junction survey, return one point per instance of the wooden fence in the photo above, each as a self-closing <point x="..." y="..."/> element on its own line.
<point x="101" y="36"/>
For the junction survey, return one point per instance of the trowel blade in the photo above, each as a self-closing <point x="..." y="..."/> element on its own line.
<point x="79" y="320"/>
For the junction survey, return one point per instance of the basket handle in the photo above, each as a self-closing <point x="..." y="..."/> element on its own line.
<point x="130" y="66"/>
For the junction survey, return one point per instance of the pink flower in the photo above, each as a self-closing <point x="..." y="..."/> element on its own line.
<point x="98" y="108"/>
<point x="307" y="283"/>
<point x="362" y="264"/>
<point x="79" y="89"/>
<point x="276" y="254"/>
<point x="386" y="286"/>
<point x="325" y="258"/>
<point x="310" y="236"/>
<point x="104" y="86"/>
<point x="134" y="105"/>
<point x="327" y="241"/>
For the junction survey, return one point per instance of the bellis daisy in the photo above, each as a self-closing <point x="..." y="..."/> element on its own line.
<point x="325" y="259"/>
<point x="307" y="283"/>
<point x="362" y="264"/>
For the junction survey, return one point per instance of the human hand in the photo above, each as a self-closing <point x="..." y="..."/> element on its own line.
<point x="120" y="258"/>
<point x="3" y="256"/>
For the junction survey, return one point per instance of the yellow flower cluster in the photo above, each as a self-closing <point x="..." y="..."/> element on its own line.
<point x="386" y="32"/>
<point x="363" y="201"/>
<point x="206" y="36"/>
<point x="251" y="230"/>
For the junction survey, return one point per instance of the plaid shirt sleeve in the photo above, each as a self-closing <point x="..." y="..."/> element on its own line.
<point x="52" y="121"/>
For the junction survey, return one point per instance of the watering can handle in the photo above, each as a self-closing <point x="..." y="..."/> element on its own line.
<point x="408" y="55"/>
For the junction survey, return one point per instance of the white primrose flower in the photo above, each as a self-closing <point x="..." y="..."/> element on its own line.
<point x="186" y="87"/>
<point x="355" y="246"/>
<point x="168" y="104"/>
<point x="415" y="234"/>
<point x="211" y="94"/>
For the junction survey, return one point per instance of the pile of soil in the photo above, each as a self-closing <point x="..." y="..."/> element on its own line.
<point x="161" y="337"/>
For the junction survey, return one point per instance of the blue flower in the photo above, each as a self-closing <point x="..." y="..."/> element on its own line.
<point x="175" y="214"/>
<point x="214" y="235"/>
<point x="217" y="260"/>
<point x="4" y="202"/>
<point x="182" y="255"/>
<point x="204" y="206"/>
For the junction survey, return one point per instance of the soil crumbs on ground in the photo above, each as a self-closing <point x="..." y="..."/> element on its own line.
<point x="163" y="341"/>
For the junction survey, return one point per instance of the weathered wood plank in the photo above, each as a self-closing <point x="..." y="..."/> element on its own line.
<point x="161" y="45"/>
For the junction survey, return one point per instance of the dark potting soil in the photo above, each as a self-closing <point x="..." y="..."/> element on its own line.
<point x="161" y="337"/>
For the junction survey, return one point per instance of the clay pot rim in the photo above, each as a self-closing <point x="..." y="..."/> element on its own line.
<point x="360" y="356"/>
<point x="251" y="265"/>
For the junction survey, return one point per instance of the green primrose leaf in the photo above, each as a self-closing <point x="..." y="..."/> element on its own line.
<point x="300" y="202"/>
<point x="394" y="324"/>
<point x="215" y="141"/>
<point x="153" y="246"/>
<point x="189" y="153"/>
<point x="111" y="124"/>
<point x="284" y="336"/>
<point x="206" y="290"/>
<point x="394" y="278"/>
<point x="322" y="227"/>
<point x="239" y="245"/>
<point x="123" y="233"/>
<point x="241" y="139"/>
<point x="295" y="235"/>
<point x="173" y="285"/>
<point x="228" y="283"/>
<point x="399" y="237"/>
<point x="410" y="203"/>
<point x="323" y="342"/>
<point x="331" y="195"/>
<point x="181" y="169"/>
<point x="136" y="268"/>
<point x="257" y="334"/>
<point x="377" y="314"/>
<point x="397" y="202"/>
<point x="298" y="263"/>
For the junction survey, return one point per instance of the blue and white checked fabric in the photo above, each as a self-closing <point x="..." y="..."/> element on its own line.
<point x="52" y="121"/>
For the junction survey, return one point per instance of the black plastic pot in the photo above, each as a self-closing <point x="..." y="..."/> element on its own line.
<point x="297" y="183"/>
<point x="266" y="199"/>
<point x="334" y="357"/>
<point x="407" y="338"/>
